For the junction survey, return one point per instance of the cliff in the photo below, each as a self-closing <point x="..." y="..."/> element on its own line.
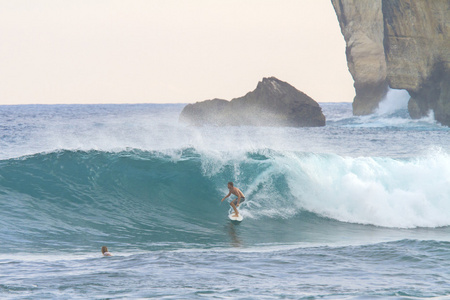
<point x="417" y="46"/>
<point x="361" y="23"/>
<point x="415" y="38"/>
<point x="272" y="103"/>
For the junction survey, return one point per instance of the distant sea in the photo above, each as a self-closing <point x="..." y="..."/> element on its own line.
<point x="358" y="209"/>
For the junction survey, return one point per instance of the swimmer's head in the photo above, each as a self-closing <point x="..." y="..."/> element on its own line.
<point x="104" y="249"/>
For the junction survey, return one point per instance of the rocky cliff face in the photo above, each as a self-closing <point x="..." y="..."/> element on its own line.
<point x="361" y="23"/>
<point x="272" y="103"/>
<point x="417" y="46"/>
<point x="415" y="38"/>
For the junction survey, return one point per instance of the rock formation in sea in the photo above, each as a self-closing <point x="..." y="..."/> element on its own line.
<point x="417" y="46"/>
<point x="272" y="103"/>
<point x="415" y="38"/>
<point x="361" y="23"/>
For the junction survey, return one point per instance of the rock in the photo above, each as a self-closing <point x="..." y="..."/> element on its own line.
<point x="404" y="44"/>
<point x="272" y="103"/>
<point x="361" y="23"/>
<point x="417" y="47"/>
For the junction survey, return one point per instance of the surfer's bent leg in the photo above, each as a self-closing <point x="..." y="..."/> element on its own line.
<point x="233" y="205"/>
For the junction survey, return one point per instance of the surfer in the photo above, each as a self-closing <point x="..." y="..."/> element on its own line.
<point x="105" y="251"/>
<point x="236" y="202"/>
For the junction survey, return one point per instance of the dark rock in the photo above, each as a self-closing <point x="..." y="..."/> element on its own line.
<point x="272" y="103"/>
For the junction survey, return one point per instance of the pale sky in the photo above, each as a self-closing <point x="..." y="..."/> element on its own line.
<point x="167" y="51"/>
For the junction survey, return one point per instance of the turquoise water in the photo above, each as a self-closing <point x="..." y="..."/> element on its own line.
<point x="359" y="209"/>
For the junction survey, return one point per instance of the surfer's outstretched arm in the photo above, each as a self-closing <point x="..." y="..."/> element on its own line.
<point x="226" y="196"/>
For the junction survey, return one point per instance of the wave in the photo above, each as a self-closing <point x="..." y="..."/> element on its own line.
<point x="183" y="185"/>
<point x="403" y="193"/>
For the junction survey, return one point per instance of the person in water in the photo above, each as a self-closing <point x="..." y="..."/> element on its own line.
<point x="236" y="202"/>
<point x="105" y="251"/>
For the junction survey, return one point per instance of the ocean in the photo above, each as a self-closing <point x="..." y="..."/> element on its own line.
<point x="358" y="209"/>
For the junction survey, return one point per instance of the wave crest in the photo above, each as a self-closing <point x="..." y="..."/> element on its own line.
<point x="153" y="191"/>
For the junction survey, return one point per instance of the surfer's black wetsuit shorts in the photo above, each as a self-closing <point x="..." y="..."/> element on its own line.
<point x="235" y="201"/>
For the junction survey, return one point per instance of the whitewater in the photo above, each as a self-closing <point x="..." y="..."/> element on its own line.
<point x="358" y="209"/>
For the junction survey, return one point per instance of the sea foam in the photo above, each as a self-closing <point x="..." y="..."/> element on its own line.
<point x="403" y="193"/>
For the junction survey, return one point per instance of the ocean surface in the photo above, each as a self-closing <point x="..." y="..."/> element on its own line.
<point x="358" y="209"/>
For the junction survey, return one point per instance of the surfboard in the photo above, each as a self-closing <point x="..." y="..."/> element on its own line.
<point x="233" y="218"/>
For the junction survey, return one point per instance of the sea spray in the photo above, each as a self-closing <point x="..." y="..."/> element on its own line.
<point x="394" y="101"/>
<point x="403" y="193"/>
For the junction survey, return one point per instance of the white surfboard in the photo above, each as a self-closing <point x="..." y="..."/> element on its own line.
<point x="233" y="218"/>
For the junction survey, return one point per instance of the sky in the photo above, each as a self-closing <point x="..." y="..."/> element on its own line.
<point x="167" y="51"/>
